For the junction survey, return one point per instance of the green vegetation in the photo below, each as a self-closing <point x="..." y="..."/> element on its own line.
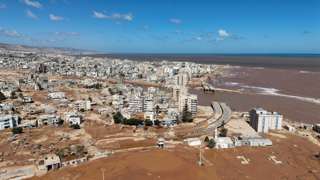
<point x="17" y="130"/>
<point x="211" y="143"/>
<point x="75" y="126"/>
<point x="223" y="132"/>
<point x="60" y="122"/>
<point x="206" y="139"/>
<point x="148" y="123"/>
<point x="132" y="122"/>
<point x="157" y="122"/>
<point x="187" y="116"/>
<point x="118" y="118"/>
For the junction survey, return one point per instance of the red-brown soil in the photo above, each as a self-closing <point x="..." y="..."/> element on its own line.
<point x="296" y="154"/>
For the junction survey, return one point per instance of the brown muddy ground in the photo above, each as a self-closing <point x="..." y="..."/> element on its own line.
<point x="180" y="163"/>
<point x="292" y="109"/>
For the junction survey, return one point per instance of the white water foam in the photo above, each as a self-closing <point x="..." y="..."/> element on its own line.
<point x="275" y="92"/>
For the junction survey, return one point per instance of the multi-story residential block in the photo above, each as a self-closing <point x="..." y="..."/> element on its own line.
<point x="9" y="121"/>
<point x="181" y="79"/>
<point x="73" y="118"/>
<point x="117" y="102"/>
<point x="148" y="104"/>
<point x="262" y="120"/>
<point x="82" y="105"/>
<point x="135" y="104"/>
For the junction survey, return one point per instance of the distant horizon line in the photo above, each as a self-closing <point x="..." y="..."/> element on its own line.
<point x="214" y="54"/>
<point x="98" y="52"/>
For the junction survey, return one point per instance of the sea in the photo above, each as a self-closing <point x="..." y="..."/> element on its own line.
<point x="297" y="61"/>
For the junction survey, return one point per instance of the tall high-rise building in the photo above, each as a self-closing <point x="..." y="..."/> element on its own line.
<point x="188" y="102"/>
<point x="181" y="79"/>
<point x="178" y="91"/>
<point x="262" y="120"/>
<point x="191" y="104"/>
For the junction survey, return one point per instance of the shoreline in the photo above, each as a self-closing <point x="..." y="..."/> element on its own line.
<point x="293" y="109"/>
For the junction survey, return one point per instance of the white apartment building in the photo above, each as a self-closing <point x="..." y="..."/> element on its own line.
<point x="82" y="105"/>
<point x="48" y="119"/>
<point x="73" y="118"/>
<point x="8" y="121"/>
<point x="192" y="103"/>
<point x="177" y="91"/>
<point x="181" y="79"/>
<point x="189" y="103"/>
<point x="148" y="105"/>
<point x="117" y="102"/>
<point x="262" y="120"/>
<point x="135" y="104"/>
<point x="57" y="95"/>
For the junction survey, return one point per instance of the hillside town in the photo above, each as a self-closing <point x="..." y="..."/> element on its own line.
<point x="64" y="110"/>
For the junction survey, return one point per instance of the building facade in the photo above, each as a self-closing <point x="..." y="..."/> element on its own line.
<point x="262" y="120"/>
<point x="9" y="121"/>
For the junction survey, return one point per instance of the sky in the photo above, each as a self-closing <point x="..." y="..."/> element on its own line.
<point x="164" y="26"/>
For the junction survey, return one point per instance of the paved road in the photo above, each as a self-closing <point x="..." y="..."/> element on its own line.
<point x="225" y="114"/>
<point x="222" y="116"/>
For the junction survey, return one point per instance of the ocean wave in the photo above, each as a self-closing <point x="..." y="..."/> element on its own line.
<point x="231" y="84"/>
<point x="275" y="92"/>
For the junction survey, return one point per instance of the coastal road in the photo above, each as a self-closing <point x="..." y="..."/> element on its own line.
<point x="222" y="115"/>
<point x="223" y="112"/>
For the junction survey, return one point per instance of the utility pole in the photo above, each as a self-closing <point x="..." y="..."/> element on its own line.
<point x="200" y="163"/>
<point x="102" y="171"/>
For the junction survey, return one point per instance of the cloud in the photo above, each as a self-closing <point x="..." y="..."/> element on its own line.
<point x="55" y="18"/>
<point x="66" y="33"/>
<point x="31" y="15"/>
<point x="34" y="4"/>
<point x="3" y="6"/>
<point x="198" y="38"/>
<point x="10" y="33"/>
<point x="223" y="33"/>
<point x="13" y="34"/>
<point x="114" y="16"/>
<point x="52" y="37"/>
<point x="175" y="21"/>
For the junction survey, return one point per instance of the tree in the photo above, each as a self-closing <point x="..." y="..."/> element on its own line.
<point x="206" y="139"/>
<point x="60" y="122"/>
<point x="211" y="143"/>
<point x="118" y="118"/>
<point x="223" y="132"/>
<point x="148" y="122"/>
<point x="2" y="96"/>
<point x="133" y="122"/>
<point x="157" y="109"/>
<point x="75" y="126"/>
<point x="187" y="116"/>
<point x="157" y="122"/>
<point x="17" y="130"/>
<point x="37" y="124"/>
